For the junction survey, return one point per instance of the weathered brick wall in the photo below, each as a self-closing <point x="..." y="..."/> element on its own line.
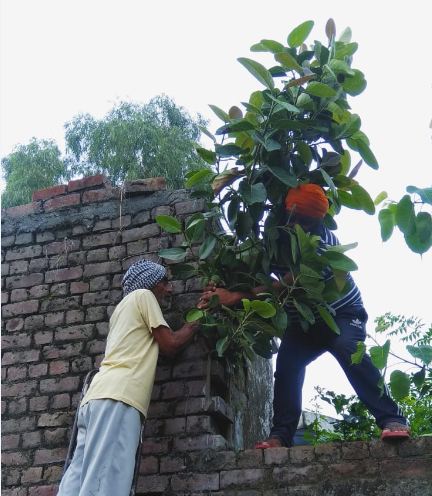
<point x="63" y="256"/>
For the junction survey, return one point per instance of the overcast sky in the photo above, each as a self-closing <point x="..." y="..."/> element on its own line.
<point x="60" y="58"/>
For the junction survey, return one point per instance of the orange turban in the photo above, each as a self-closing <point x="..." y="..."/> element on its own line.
<point x="307" y="199"/>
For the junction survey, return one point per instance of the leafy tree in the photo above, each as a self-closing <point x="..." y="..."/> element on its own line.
<point x="136" y="140"/>
<point x="30" y="167"/>
<point x="297" y="129"/>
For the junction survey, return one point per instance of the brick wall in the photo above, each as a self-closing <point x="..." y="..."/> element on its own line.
<point x="63" y="256"/>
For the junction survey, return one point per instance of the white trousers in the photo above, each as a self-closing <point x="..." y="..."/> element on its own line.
<point x="104" y="459"/>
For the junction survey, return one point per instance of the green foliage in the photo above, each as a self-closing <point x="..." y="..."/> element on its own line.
<point x="29" y="168"/>
<point x="296" y="128"/>
<point x="410" y="215"/>
<point x="355" y="424"/>
<point x="137" y="140"/>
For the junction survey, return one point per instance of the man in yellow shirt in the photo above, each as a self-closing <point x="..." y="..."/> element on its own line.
<point x="109" y="417"/>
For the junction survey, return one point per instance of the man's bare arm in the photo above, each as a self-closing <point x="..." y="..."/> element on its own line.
<point x="171" y="342"/>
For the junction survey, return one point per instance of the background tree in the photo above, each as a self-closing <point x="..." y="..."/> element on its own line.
<point x="31" y="167"/>
<point x="136" y="140"/>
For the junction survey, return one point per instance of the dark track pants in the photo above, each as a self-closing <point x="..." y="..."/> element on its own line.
<point x="299" y="348"/>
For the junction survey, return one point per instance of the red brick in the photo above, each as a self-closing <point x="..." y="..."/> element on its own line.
<point x="189" y="206"/>
<point x="62" y="351"/>
<point x="31" y="439"/>
<point x="21" y="308"/>
<point x="43" y="337"/>
<point x="53" y="473"/>
<point x="18" y="267"/>
<point x="62" y="247"/>
<point x="302" y="454"/>
<point x="175" y="426"/>
<point x="43" y="456"/>
<point x="102" y="268"/>
<point x="60" y="289"/>
<point x="57" y="304"/>
<point x="23" y="424"/>
<point x="99" y="195"/>
<point x="149" y="465"/>
<point x="156" y="445"/>
<point x="45" y="194"/>
<point x="38" y="370"/>
<point x="108" y="238"/>
<point x="81" y="332"/>
<point x="16" y="373"/>
<point x="15" y="325"/>
<point x="171" y="464"/>
<point x="17" y="407"/>
<point x="15" y="341"/>
<point x="202" y="442"/>
<point x="57" y="419"/>
<point x="10" y="442"/>
<point x="23" y="210"/>
<point x="148" y="185"/>
<point x="62" y="202"/>
<point x="50" y="490"/>
<point x="102" y="225"/>
<point x="100" y="283"/>
<point x="54" y="319"/>
<point x="34" y="322"/>
<point x="7" y="241"/>
<point x="117" y="252"/>
<point x="143" y="217"/>
<point x="74" y="317"/>
<point x="38" y="264"/>
<point x="45" y="236"/>
<point x="38" y="403"/>
<point x="301" y="474"/>
<point x="56" y="437"/>
<point x="327" y="452"/>
<point x="39" y="291"/>
<point x="16" y="491"/>
<point x="152" y="484"/>
<point x="140" y="233"/>
<point x="81" y="364"/>
<point x="13" y="357"/>
<point x="405" y="468"/>
<point x="19" y="389"/>
<point x="355" y="450"/>
<point x="32" y="474"/>
<point x="58" y="367"/>
<point x="14" y="458"/>
<point x="24" y="238"/>
<point x="95" y="347"/>
<point x="63" y="274"/>
<point x="88" y="182"/>
<point x="121" y="222"/>
<point x="79" y="287"/>
<point x="137" y="247"/>
<point x="24" y="281"/>
<point x="59" y="385"/>
<point x="25" y="252"/>
<point x="195" y="482"/>
<point x="102" y="298"/>
<point x="61" y="401"/>
<point x="99" y="255"/>
<point x="241" y="478"/>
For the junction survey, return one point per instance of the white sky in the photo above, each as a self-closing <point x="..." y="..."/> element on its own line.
<point x="63" y="57"/>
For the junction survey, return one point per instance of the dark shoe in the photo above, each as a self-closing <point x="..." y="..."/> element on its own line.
<point x="395" y="430"/>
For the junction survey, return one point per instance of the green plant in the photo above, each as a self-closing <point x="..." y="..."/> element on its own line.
<point x="356" y="424"/>
<point x="410" y="216"/>
<point x="297" y="129"/>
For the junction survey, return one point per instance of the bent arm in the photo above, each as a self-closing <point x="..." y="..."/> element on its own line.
<point x="171" y="342"/>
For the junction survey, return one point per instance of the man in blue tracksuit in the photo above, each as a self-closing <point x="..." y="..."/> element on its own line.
<point x="307" y="206"/>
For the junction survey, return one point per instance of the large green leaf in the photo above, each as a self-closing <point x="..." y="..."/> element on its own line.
<point x="320" y="89"/>
<point x="399" y="385"/>
<point x="387" y="223"/>
<point x="203" y="175"/>
<point x="345" y="49"/>
<point x="358" y="355"/>
<point x="176" y="254"/>
<point x="379" y="355"/>
<point x="208" y="155"/>
<point x="364" y="199"/>
<point x="228" y="150"/>
<point x="328" y="319"/>
<point x="223" y="116"/>
<point x="236" y="127"/>
<point x="207" y="247"/>
<point x="284" y="176"/>
<point x="183" y="271"/>
<point x="286" y="105"/>
<point x="423" y="222"/>
<point x="339" y="261"/>
<point x="280" y="320"/>
<point x="380" y="198"/>
<point x="424" y="193"/>
<point x="367" y="155"/>
<point x="299" y="34"/>
<point x="405" y="215"/>
<point x="354" y="85"/>
<point x="169" y="224"/>
<point x="422" y="352"/>
<point x="222" y="345"/>
<point x="288" y="61"/>
<point x="272" y="46"/>
<point x="255" y="193"/>
<point x="194" y="314"/>
<point x="342" y="248"/>
<point x="195" y="228"/>
<point x="263" y="308"/>
<point x="258" y="71"/>
<point x="305" y="311"/>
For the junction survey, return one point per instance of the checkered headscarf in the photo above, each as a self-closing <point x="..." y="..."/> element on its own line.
<point x="142" y="275"/>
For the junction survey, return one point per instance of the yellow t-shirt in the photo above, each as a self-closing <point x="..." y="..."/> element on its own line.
<point x="128" y="369"/>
